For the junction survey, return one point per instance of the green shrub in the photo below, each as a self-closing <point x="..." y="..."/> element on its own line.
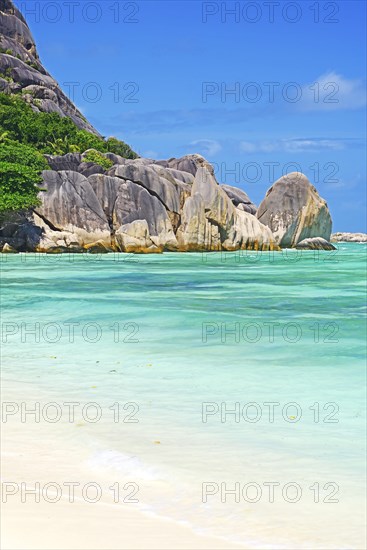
<point x="7" y="75"/>
<point x="20" y="168"/>
<point x="42" y="130"/>
<point x="98" y="158"/>
<point x="26" y="135"/>
<point x="17" y="153"/>
<point x="120" y="148"/>
<point x="18" y="186"/>
<point x="31" y="64"/>
<point x="62" y="146"/>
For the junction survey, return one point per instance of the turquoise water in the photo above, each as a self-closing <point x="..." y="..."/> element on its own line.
<point x="171" y="332"/>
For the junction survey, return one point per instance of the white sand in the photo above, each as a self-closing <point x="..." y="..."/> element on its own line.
<point x="85" y="526"/>
<point x="30" y="454"/>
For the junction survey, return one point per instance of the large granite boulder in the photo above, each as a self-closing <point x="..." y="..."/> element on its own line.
<point x="135" y="237"/>
<point x="218" y="207"/>
<point x="124" y="202"/>
<point x="188" y="163"/>
<point x="156" y="184"/>
<point x="294" y="211"/>
<point x="70" y="204"/>
<point x="157" y="210"/>
<point x="196" y="233"/>
<point x="210" y="221"/>
<point x="70" y="161"/>
<point x="248" y="233"/>
<point x="240" y="199"/>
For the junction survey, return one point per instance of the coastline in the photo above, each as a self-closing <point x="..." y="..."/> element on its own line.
<point x="170" y="372"/>
<point x="79" y="524"/>
<point x="86" y="526"/>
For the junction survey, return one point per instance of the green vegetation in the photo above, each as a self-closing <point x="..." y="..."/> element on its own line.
<point x="7" y="75"/>
<point x="42" y="130"/>
<point x="31" y="64"/>
<point x="97" y="158"/>
<point x="18" y="187"/>
<point x="25" y="136"/>
<point x="20" y="168"/>
<point x="17" y="153"/>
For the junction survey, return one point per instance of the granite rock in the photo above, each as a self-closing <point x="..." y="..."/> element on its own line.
<point x="315" y="243"/>
<point x="293" y="210"/>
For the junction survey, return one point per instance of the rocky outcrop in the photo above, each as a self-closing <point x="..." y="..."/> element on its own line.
<point x="135" y="237"/>
<point x="25" y="74"/>
<point x="188" y="163"/>
<point x="7" y="249"/>
<point x="135" y="206"/>
<point x="15" y="30"/>
<point x="316" y="243"/>
<point x="240" y="199"/>
<point x="142" y="205"/>
<point x="160" y="185"/>
<point x="349" y="237"/>
<point x="294" y="211"/>
<point x="210" y="221"/>
<point x="70" y="204"/>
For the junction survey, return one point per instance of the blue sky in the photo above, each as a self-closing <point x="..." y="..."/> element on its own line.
<point x="258" y="89"/>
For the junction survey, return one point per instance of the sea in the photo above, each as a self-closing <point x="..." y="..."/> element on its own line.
<point x="224" y="391"/>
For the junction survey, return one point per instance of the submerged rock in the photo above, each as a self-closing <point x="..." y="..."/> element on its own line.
<point x="315" y="243"/>
<point x="294" y="211"/>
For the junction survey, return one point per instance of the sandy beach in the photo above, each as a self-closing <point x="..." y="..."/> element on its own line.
<point x="96" y="527"/>
<point x="29" y="452"/>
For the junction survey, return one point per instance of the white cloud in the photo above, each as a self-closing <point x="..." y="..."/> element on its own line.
<point x="331" y="92"/>
<point x="208" y="147"/>
<point x="296" y="145"/>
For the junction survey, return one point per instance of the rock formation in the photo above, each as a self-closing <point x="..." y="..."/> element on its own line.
<point x="315" y="243"/>
<point x="136" y="206"/>
<point x="22" y="72"/>
<point x="140" y="205"/>
<point x="293" y="210"/>
<point x="349" y="238"/>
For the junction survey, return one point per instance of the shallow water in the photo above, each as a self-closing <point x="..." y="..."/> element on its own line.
<point x="181" y="335"/>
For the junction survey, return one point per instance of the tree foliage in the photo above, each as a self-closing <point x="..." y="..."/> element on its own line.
<point x="18" y="153"/>
<point x="25" y="136"/>
<point x="18" y="187"/>
<point x="95" y="156"/>
<point x="48" y="132"/>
